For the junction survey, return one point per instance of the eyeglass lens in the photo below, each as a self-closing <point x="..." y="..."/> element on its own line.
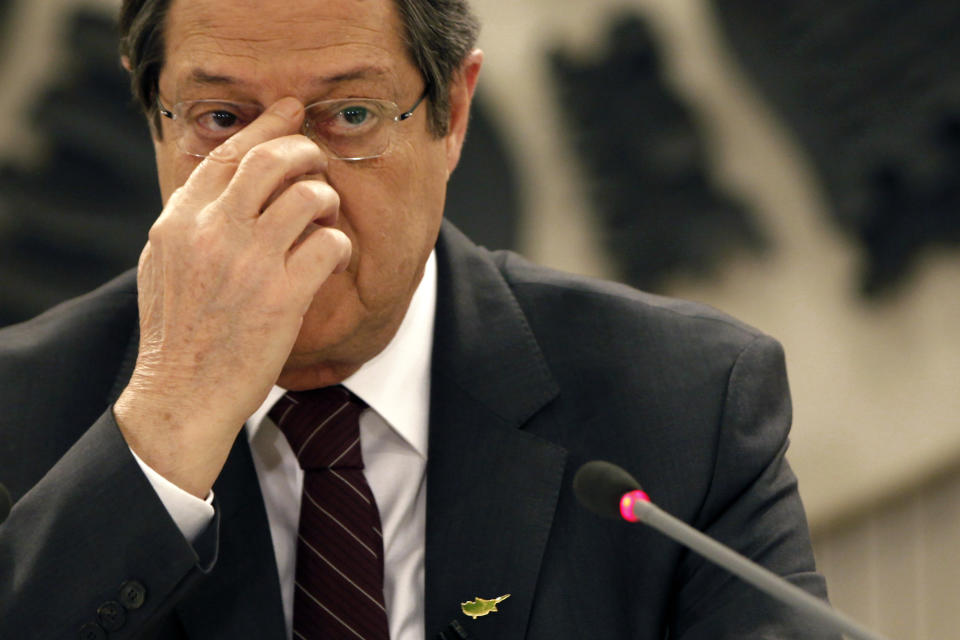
<point x="347" y="129"/>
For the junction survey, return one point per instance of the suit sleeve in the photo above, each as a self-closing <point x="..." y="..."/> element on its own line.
<point x="92" y="544"/>
<point x="191" y="514"/>
<point x="753" y="506"/>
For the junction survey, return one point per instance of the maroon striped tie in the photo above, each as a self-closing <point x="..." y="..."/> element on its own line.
<point x="338" y="591"/>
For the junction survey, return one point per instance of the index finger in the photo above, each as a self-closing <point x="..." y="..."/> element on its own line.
<point x="283" y="117"/>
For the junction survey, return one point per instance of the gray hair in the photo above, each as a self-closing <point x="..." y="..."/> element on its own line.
<point x="439" y="35"/>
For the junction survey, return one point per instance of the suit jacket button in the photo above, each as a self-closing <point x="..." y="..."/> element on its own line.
<point x="132" y="594"/>
<point x="111" y="615"/>
<point x="91" y="631"/>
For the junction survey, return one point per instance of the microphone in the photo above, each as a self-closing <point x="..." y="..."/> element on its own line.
<point x="612" y="492"/>
<point x="5" y="503"/>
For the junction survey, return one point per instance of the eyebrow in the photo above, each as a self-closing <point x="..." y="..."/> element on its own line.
<point x="201" y="77"/>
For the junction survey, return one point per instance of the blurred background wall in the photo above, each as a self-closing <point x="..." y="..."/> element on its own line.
<point x="794" y="164"/>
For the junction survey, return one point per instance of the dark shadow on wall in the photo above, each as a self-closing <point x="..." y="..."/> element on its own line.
<point x="82" y="216"/>
<point x="872" y="91"/>
<point x="4" y="11"/>
<point x="483" y="195"/>
<point x="645" y="164"/>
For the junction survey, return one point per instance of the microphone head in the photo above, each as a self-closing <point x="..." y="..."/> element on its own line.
<point x="600" y="485"/>
<point x="5" y="503"/>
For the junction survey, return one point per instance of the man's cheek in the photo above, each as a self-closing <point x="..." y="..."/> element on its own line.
<point x="167" y="173"/>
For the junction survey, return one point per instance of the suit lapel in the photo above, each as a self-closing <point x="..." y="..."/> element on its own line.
<point x="492" y="487"/>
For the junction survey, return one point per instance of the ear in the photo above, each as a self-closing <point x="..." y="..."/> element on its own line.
<point x="125" y="61"/>
<point x="461" y="95"/>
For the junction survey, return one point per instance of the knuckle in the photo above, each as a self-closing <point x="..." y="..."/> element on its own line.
<point x="313" y="153"/>
<point x="177" y="195"/>
<point x="262" y="156"/>
<point x="309" y="191"/>
<point x="157" y="231"/>
<point x="307" y="146"/>
<point x="331" y="203"/>
<point x="327" y="243"/>
<point x="315" y="195"/>
<point x="206" y="239"/>
<point x="263" y="153"/>
<point x="227" y="153"/>
<point x="145" y="256"/>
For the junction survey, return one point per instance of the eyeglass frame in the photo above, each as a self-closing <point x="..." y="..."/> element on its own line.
<point x="168" y="113"/>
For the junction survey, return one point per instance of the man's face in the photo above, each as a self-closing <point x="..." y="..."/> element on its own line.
<point x="258" y="51"/>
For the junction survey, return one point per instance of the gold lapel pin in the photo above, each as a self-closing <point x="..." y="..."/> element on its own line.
<point x="481" y="606"/>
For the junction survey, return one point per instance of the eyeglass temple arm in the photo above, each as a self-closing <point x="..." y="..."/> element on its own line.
<point x="163" y="110"/>
<point x="409" y="112"/>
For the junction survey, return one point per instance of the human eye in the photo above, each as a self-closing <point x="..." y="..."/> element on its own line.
<point x="219" y="120"/>
<point x="350" y="128"/>
<point x="348" y="118"/>
<point x="355" y="115"/>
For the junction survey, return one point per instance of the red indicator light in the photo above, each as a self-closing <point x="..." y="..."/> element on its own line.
<point x="627" y="502"/>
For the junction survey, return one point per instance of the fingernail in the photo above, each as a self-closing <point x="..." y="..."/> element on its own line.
<point x="288" y="108"/>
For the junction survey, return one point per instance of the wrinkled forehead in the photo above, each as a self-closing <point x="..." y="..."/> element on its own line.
<point x="248" y="43"/>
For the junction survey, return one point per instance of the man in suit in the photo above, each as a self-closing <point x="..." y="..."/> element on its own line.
<point x="303" y="151"/>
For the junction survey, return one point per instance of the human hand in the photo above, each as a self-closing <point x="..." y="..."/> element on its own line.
<point x="231" y="266"/>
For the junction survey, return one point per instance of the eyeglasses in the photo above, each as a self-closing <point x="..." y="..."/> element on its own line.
<point x="351" y="129"/>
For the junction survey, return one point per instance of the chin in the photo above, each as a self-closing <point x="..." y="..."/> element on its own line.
<point x="312" y="377"/>
<point x="329" y="349"/>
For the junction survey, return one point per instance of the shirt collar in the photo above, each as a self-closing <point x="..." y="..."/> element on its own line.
<point x="396" y="382"/>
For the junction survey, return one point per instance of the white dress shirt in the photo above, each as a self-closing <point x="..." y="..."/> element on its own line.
<point x="393" y="438"/>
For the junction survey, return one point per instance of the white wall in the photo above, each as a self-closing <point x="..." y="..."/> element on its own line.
<point x="896" y="568"/>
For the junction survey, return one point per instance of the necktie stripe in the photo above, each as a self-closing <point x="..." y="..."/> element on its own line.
<point x="321" y="426"/>
<point x="330" y="613"/>
<point x="352" y="519"/>
<point x="340" y="524"/>
<point x="339" y="572"/>
<point x="343" y="504"/>
<point x="329" y="585"/>
<point x="349" y="484"/>
<point x="344" y="553"/>
<point x="356" y="611"/>
<point x="286" y="412"/>
<point x="345" y="452"/>
<point x="342" y="574"/>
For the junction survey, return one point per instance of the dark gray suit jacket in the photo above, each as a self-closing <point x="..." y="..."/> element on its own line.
<point x="534" y="373"/>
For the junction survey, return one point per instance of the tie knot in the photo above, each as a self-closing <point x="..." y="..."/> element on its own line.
<point x="322" y="427"/>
